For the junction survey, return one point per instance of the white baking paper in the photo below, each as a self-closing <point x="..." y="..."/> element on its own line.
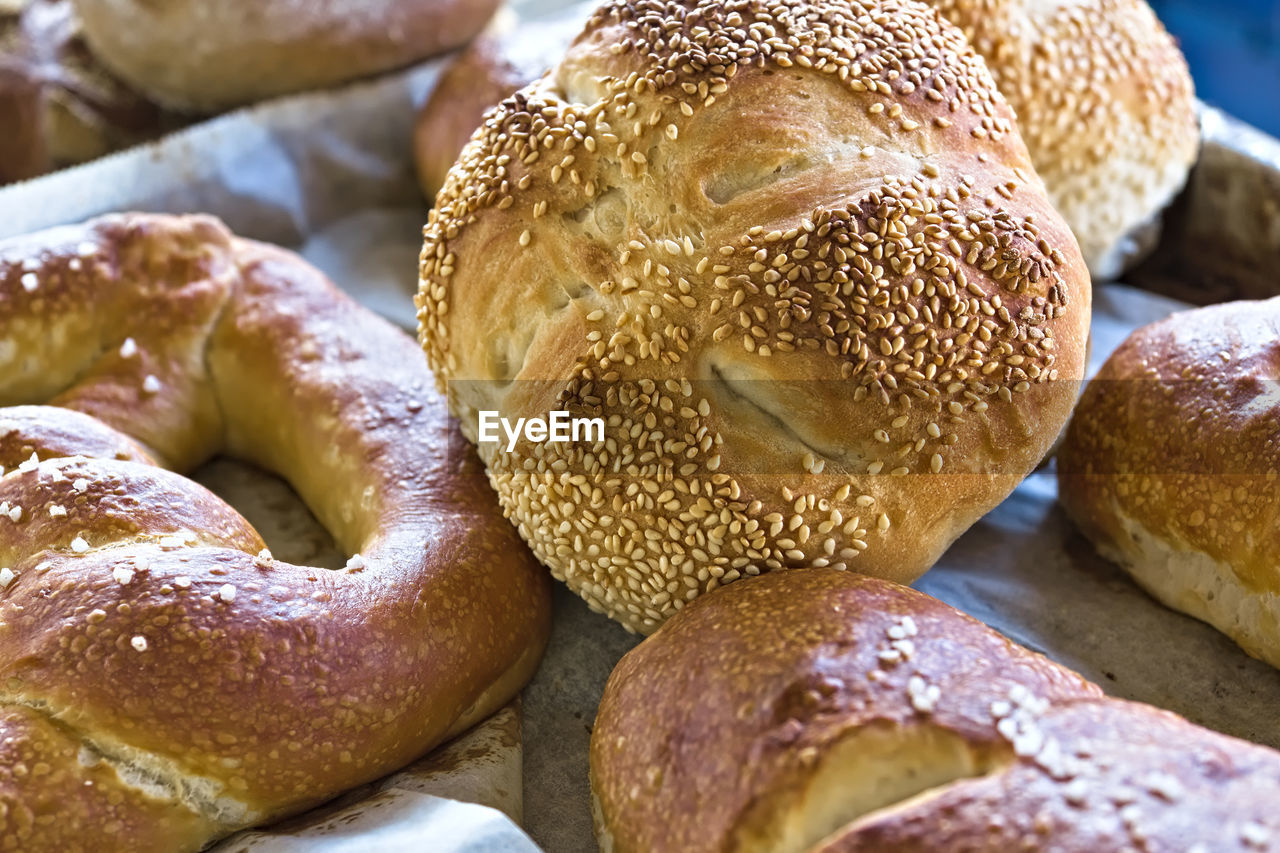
<point x="331" y="175"/>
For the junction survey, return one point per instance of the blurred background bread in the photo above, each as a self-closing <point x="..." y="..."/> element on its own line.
<point x="58" y="105"/>
<point x="824" y="307"/>
<point x="1172" y="462"/>
<point x="202" y="56"/>
<point x="824" y="711"/>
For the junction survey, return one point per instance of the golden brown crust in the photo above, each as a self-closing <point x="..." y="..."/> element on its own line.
<point x="803" y="269"/>
<point x="1105" y="103"/>
<point x="1171" y="462"/>
<point x="58" y="106"/>
<point x="194" y="55"/>
<point x="711" y="731"/>
<point x="140" y="614"/>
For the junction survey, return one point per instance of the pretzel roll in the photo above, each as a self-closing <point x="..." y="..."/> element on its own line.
<point x="166" y="681"/>
<point x="795" y="259"/>
<point x="1171" y="462"/>
<point x="825" y="711"/>
<point x="1105" y="104"/>
<point x="204" y="56"/>
<point x="58" y="106"/>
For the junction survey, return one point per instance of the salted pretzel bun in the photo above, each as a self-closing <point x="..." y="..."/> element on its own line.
<point x="1171" y="463"/>
<point x="204" y="56"/>
<point x="794" y="256"/>
<point x="823" y="712"/>
<point x="167" y="680"/>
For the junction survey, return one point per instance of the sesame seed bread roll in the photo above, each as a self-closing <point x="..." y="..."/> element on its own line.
<point x="1106" y="105"/>
<point x="203" y="56"/>
<point x="794" y="255"/>
<point x="1171" y="462"/>
<point x="825" y="711"/>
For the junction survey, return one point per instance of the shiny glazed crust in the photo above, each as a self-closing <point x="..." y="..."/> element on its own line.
<point x="825" y="711"/>
<point x="1171" y="463"/>
<point x="796" y="257"/>
<point x="165" y="680"/>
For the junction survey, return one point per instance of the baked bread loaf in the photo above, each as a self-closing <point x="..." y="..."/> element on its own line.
<point x="1171" y="462"/>
<point x="196" y="55"/>
<point x="1105" y="104"/>
<point x="165" y="679"/>
<point x="58" y="106"/>
<point x="824" y="711"/>
<point x="795" y="258"/>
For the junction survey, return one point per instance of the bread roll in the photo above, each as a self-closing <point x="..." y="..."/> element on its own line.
<point x="58" y="106"/>
<point x="1170" y="466"/>
<point x="824" y="711"/>
<point x="794" y="256"/>
<point x="165" y="679"/>
<point x="1105" y="104"/>
<point x="210" y="56"/>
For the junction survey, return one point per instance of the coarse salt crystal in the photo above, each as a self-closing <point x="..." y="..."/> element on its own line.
<point x="122" y="574"/>
<point x="227" y="593"/>
<point x="57" y="511"/>
<point x="356" y="562"/>
<point x="182" y="582"/>
<point x="30" y="465"/>
<point x="30" y="282"/>
<point x="15" y="514"/>
<point x="79" y="545"/>
<point x="6" y="577"/>
<point x="139" y="643"/>
<point x="151" y="385"/>
<point x="80" y="484"/>
<point x="129" y="348"/>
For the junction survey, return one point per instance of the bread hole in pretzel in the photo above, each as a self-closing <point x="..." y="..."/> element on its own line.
<point x="877" y="766"/>
<point x="275" y="510"/>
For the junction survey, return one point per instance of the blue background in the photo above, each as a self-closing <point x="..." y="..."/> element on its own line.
<point x="1233" y="48"/>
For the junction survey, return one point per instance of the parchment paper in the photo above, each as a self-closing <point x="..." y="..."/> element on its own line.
<point x="331" y="175"/>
